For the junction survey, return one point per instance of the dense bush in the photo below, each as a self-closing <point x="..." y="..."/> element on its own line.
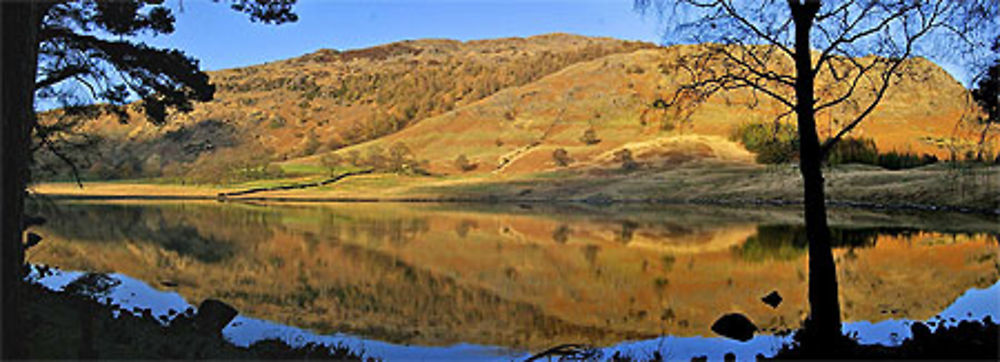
<point x="864" y="151"/>
<point x="771" y="142"/>
<point x="400" y="159"/>
<point x="779" y="143"/>
<point x="397" y="159"/>
<point x="233" y="165"/>
<point x="897" y="161"/>
<point x="853" y="150"/>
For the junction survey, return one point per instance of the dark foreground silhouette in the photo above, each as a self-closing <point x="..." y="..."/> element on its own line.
<point x="72" y="325"/>
<point x="970" y="340"/>
<point x="966" y="340"/>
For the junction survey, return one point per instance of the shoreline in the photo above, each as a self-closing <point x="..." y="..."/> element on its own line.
<point x="850" y="204"/>
<point x="934" y="188"/>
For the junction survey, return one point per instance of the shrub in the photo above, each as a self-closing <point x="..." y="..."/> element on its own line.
<point x="561" y="157"/>
<point x="667" y="126"/>
<point x="771" y="142"/>
<point x="353" y="158"/>
<point x="779" y="143"/>
<point x="331" y="161"/>
<point x="853" y="150"/>
<point x="400" y="158"/>
<point x="590" y="137"/>
<point x="309" y="145"/>
<point x="233" y="165"/>
<point x="864" y="151"/>
<point x="273" y="171"/>
<point x="903" y="160"/>
<point x="624" y="156"/>
<point x="635" y="69"/>
<point x="276" y="122"/>
<point x="375" y="158"/>
<point x="463" y="163"/>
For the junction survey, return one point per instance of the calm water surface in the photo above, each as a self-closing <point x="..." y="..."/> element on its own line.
<point x="501" y="281"/>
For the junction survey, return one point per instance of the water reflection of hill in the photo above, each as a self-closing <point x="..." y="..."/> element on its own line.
<point x="516" y="276"/>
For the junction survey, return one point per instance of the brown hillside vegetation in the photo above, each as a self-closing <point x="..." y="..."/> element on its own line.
<point x="505" y="106"/>
<point x="329" y="99"/>
<point x="615" y="99"/>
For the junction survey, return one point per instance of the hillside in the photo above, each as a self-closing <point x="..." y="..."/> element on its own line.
<point x="328" y="99"/>
<point x="506" y="105"/>
<point x="614" y="97"/>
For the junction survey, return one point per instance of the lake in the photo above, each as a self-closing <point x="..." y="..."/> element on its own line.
<point x="500" y="281"/>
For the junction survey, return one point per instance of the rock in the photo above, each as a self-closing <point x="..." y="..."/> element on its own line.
<point x="735" y="326"/>
<point x="920" y="331"/>
<point x="33" y="239"/>
<point x="773" y="299"/>
<point x="213" y="316"/>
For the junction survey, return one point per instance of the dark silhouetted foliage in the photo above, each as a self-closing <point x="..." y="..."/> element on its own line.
<point x="773" y="143"/>
<point x="561" y="157"/>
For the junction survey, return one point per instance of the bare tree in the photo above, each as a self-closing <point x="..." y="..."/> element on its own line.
<point x="775" y="51"/>
<point x="987" y="95"/>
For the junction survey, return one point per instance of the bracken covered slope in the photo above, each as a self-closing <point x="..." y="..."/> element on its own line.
<point x="328" y="99"/>
<point x="517" y="130"/>
<point x="507" y="105"/>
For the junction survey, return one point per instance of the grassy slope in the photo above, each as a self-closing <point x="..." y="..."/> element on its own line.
<point x="512" y="134"/>
<point x="612" y="96"/>
<point x="483" y="101"/>
<point x="327" y="99"/>
<point x="940" y="185"/>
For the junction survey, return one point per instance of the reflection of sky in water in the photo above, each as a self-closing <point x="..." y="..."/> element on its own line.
<point x="974" y="304"/>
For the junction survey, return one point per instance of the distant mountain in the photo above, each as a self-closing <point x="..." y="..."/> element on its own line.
<point x="506" y="105"/>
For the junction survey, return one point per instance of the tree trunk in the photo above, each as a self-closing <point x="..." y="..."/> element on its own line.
<point x="824" y="315"/>
<point x="20" y="59"/>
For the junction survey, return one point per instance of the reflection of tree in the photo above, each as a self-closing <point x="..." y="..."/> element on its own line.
<point x="397" y="231"/>
<point x="465" y="226"/>
<point x="188" y="231"/>
<point x="785" y="52"/>
<point x="787" y="242"/>
<point x="590" y="254"/>
<point x="628" y="228"/>
<point x="666" y="230"/>
<point x="441" y="289"/>
<point x="561" y="234"/>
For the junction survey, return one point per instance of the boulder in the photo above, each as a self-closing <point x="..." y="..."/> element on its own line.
<point x="773" y="299"/>
<point x="735" y="326"/>
<point x="213" y="316"/>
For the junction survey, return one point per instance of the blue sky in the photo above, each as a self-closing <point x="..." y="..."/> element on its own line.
<point x="222" y="38"/>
